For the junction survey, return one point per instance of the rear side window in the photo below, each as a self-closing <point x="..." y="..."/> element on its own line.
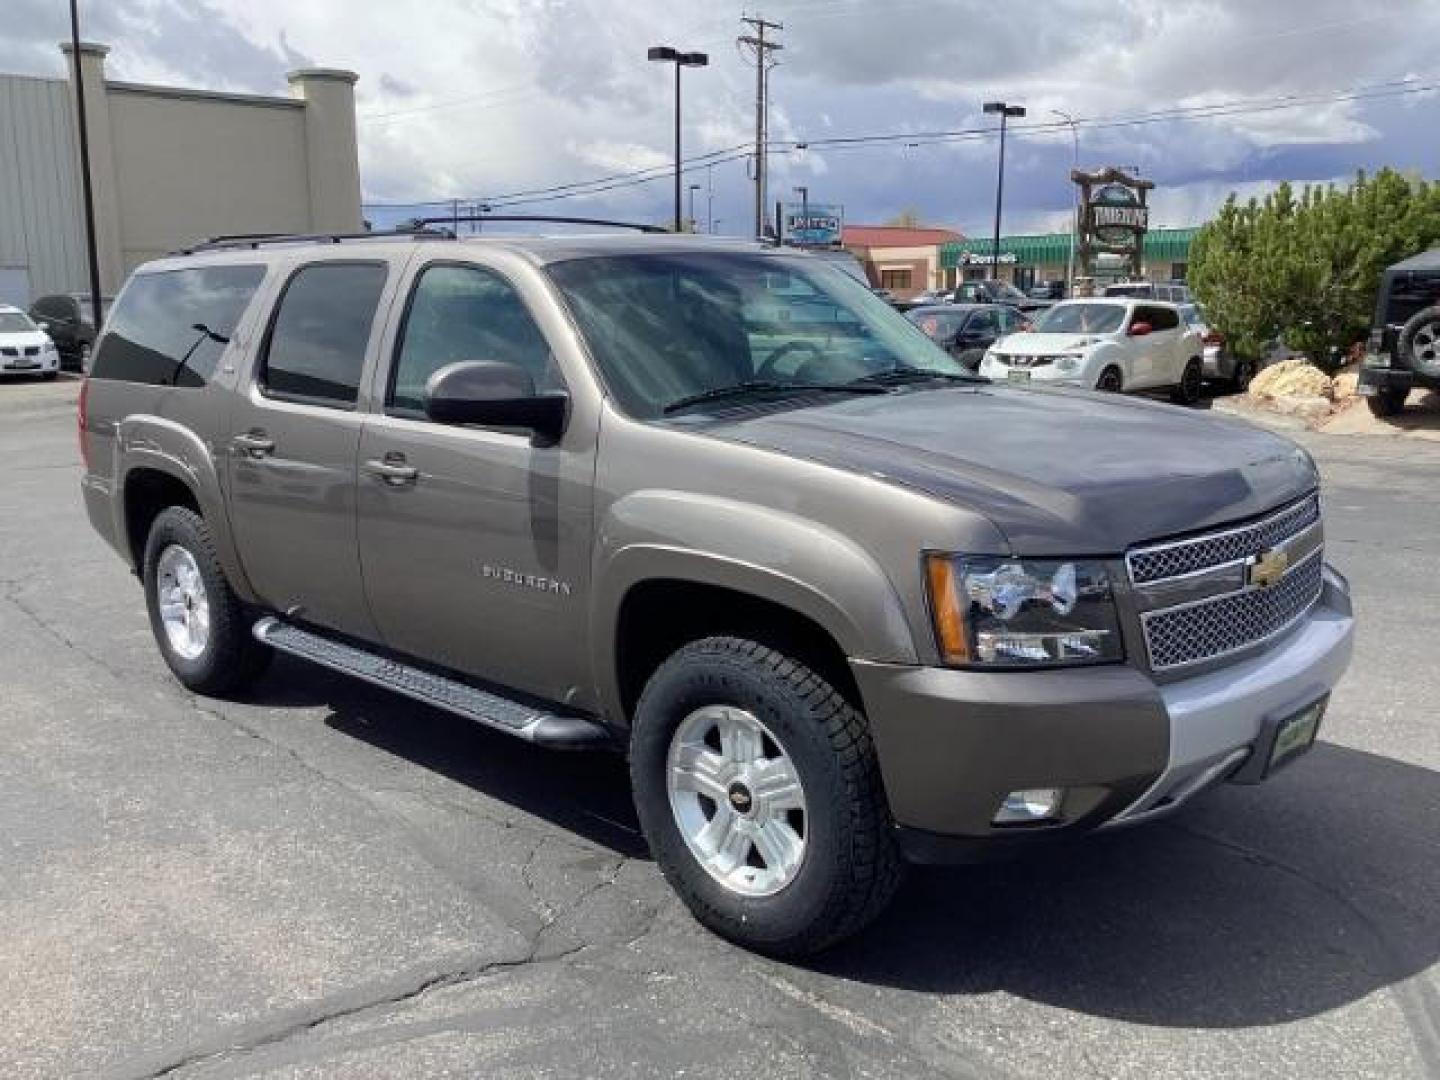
<point x="170" y="328"/>
<point x="317" y="341"/>
<point x="1159" y="318"/>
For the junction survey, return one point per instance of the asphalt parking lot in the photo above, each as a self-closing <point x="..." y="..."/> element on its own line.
<point x="327" y="881"/>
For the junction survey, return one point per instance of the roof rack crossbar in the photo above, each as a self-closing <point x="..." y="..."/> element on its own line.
<point x="451" y="219"/>
<point x="231" y="241"/>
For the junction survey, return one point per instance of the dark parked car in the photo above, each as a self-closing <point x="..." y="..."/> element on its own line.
<point x="991" y="291"/>
<point x="965" y="331"/>
<point x="1404" y="347"/>
<point x="69" y="319"/>
<point x="1048" y="290"/>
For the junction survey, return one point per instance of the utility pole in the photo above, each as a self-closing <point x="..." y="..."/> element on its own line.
<point x="762" y="50"/>
<point x="95" y="309"/>
<point x="692" y="188"/>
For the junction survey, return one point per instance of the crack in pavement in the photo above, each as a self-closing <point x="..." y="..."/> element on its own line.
<point x="11" y="595"/>
<point x="242" y="1041"/>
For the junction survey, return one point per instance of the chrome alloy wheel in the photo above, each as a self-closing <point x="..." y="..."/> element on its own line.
<point x="184" y="607"/>
<point x="737" y="799"/>
<point x="1426" y="346"/>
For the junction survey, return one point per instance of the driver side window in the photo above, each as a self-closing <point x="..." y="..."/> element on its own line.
<point x="465" y="313"/>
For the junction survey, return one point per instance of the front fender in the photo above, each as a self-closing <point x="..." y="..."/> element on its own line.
<point x="775" y="556"/>
<point x="161" y="445"/>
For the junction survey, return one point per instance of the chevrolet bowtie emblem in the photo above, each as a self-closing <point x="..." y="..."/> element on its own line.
<point x="1268" y="568"/>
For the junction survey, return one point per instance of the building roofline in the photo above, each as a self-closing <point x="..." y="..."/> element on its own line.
<point x="151" y="90"/>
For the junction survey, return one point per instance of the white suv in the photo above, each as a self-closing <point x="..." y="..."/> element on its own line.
<point x="1107" y="344"/>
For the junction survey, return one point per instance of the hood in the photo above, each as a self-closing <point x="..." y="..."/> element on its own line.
<point x="24" y="339"/>
<point x="1031" y="344"/>
<point x="1059" y="472"/>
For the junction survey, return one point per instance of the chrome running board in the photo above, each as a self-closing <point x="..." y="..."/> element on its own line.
<point x="482" y="706"/>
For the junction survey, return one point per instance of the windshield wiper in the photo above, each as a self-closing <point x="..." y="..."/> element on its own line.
<point x="766" y="386"/>
<point x="909" y="373"/>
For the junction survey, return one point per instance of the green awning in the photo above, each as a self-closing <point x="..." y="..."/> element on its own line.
<point x="1161" y="245"/>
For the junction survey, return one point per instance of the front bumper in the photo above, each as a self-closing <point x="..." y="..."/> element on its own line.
<point x="952" y="743"/>
<point x="43" y="364"/>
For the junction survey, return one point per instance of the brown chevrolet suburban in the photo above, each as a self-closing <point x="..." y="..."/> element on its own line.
<point x="715" y="505"/>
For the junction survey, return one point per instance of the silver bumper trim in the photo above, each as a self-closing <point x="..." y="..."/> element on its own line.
<point x="1214" y="718"/>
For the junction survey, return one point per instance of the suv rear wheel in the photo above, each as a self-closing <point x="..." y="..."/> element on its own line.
<point x="1419" y="342"/>
<point x="198" y="622"/>
<point x="1110" y="381"/>
<point x="757" y="787"/>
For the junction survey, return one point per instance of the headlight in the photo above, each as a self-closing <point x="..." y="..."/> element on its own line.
<point x="1022" y="612"/>
<point x="990" y="356"/>
<point x="1068" y="362"/>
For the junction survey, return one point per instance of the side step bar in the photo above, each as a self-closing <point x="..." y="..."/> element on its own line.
<point x="501" y="713"/>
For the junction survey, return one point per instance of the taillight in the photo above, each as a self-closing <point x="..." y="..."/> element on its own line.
<point x="82" y="416"/>
<point x="1214" y="337"/>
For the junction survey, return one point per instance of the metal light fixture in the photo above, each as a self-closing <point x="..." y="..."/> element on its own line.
<point x="1005" y="111"/>
<point x="668" y="55"/>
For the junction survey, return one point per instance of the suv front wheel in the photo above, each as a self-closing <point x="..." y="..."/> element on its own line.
<point x="1387" y="401"/>
<point x="198" y="622"/>
<point x="757" y="788"/>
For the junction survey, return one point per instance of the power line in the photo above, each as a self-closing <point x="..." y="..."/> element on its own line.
<point x="834" y="144"/>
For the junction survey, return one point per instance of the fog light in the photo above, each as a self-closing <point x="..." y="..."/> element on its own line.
<point x="1029" y="805"/>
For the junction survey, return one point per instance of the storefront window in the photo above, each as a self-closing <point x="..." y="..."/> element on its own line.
<point x="895" y="279"/>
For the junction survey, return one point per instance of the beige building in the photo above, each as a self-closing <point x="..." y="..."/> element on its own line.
<point x="168" y="166"/>
<point x="903" y="260"/>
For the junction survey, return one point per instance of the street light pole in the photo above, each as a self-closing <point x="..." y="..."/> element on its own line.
<point x="666" y="54"/>
<point x="86" y="193"/>
<point x="1005" y="111"/>
<point x="1074" y="200"/>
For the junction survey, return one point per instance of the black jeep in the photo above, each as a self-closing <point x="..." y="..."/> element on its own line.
<point x="1403" y="350"/>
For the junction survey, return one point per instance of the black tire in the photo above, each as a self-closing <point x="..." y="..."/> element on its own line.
<point x="231" y="657"/>
<point x="851" y="866"/>
<point x="1387" y="401"/>
<point x="1242" y="376"/>
<point x="1111" y="381"/>
<point x="1192" y="381"/>
<point x="1418" y="343"/>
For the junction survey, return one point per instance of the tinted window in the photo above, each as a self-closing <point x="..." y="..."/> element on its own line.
<point x="52" y="307"/>
<point x="938" y="325"/>
<point x="1159" y="318"/>
<point x="317" y="343"/>
<point x="982" y="322"/>
<point x="461" y="313"/>
<point x="171" y="327"/>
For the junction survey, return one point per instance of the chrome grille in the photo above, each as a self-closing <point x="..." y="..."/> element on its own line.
<point x="1215" y="549"/>
<point x="1212" y="628"/>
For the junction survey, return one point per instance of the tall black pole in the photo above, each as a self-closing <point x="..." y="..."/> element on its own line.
<point x="999" y="201"/>
<point x="677" y="146"/>
<point x="95" y="309"/>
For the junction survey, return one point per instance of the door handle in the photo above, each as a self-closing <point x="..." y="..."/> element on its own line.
<point x="253" y="444"/>
<point x="392" y="470"/>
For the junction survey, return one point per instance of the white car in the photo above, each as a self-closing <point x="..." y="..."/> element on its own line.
<point x="1118" y="344"/>
<point x="25" y="349"/>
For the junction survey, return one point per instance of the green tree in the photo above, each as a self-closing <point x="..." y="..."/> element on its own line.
<point x="1306" y="267"/>
<point x="909" y="218"/>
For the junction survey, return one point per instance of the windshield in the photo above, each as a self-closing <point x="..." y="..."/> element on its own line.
<point x="1141" y="290"/>
<point x="665" y="327"/>
<point x="1081" y="318"/>
<point x="13" y="322"/>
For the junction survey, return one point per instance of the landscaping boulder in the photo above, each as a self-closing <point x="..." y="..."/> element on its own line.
<point x="1297" y="378"/>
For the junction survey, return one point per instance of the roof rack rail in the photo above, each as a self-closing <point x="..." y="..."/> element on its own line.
<point x="450" y="219"/>
<point x="256" y="240"/>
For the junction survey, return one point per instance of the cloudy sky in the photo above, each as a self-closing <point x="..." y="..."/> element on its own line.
<point x="484" y="98"/>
